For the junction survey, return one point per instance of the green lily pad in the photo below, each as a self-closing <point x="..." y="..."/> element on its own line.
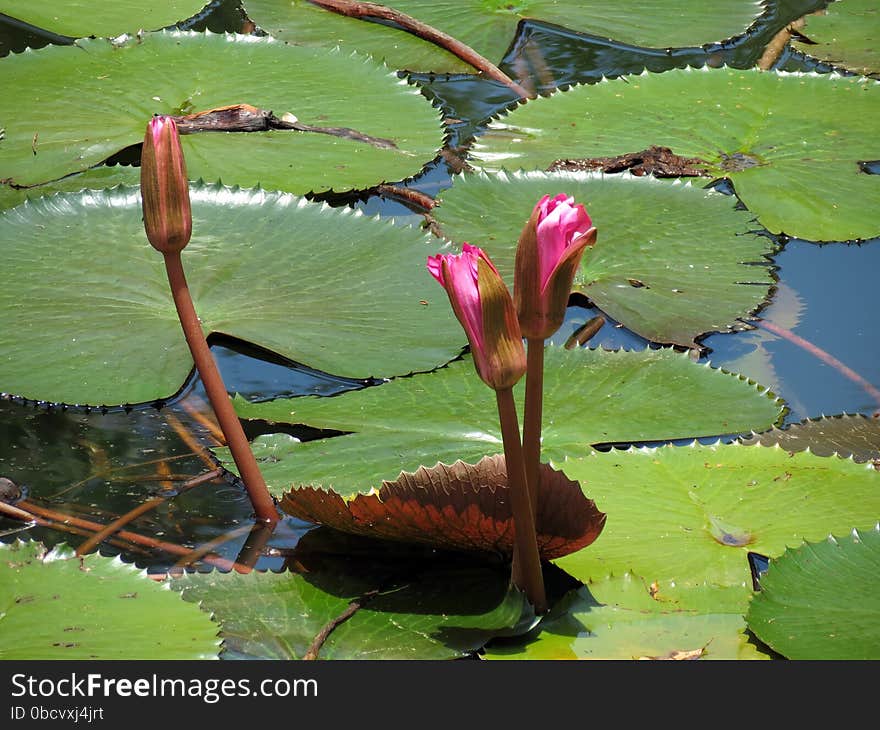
<point x="822" y="600"/>
<point x="672" y="261"/>
<point x="489" y="26"/>
<point x="590" y="397"/>
<point x="443" y="614"/>
<point x="106" y="18"/>
<point x="626" y="618"/>
<point x="102" y="176"/>
<point x="853" y="436"/>
<point x="690" y="515"/>
<point x="90" y="319"/>
<point x="798" y="173"/>
<point x="846" y="34"/>
<point x="54" y="605"/>
<point x="88" y="101"/>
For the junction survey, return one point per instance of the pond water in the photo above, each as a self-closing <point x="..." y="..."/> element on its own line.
<point x="814" y="345"/>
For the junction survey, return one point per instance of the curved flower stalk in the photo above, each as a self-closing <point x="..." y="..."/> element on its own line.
<point x="168" y="225"/>
<point x="548" y="255"/>
<point x="484" y="308"/>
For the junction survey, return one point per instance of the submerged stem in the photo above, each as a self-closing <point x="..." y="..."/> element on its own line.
<point x="250" y="474"/>
<point x="527" y="574"/>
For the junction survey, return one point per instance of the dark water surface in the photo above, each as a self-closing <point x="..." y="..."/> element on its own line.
<point x="97" y="466"/>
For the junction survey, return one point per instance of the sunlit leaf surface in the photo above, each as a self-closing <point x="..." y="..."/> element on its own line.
<point x="89" y="316"/>
<point x="89" y="101"/>
<point x="690" y="515"/>
<point x="798" y="173"/>
<point x="590" y="397"/>
<point x="58" y="606"/>
<point x="821" y="600"/>
<point x="103" y="18"/>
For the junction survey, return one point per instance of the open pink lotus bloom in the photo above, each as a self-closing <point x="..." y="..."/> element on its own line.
<point x="548" y="254"/>
<point x="164" y="187"/>
<point x="484" y="308"/>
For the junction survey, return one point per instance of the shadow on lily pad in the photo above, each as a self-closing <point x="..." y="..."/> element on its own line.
<point x="458" y="507"/>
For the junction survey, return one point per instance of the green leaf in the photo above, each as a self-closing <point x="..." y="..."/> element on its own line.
<point x="623" y="618"/>
<point x="86" y="102"/>
<point x="672" y="261"/>
<point x="590" y="397"/>
<point x="822" y="600"/>
<point x="441" y="614"/>
<point x="846" y="35"/>
<point x="690" y="515"/>
<point x="102" y="176"/>
<point x="798" y="173"/>
<point x="489" y="26"/>
<point x="853" y="436"/>
<point x="107" y="18"/>
<point x="54" y="605"/>
<point x="89" y="316"/>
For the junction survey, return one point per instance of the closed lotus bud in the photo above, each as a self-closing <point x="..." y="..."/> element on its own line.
<point x="164" y="187"/>
<point x="547" y="257"/>
<point x="484" y="308"/>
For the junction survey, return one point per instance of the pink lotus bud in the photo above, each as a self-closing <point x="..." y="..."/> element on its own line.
<point x="483" y="305"/>
<point x="164" y="187"/>
<point x="547" y="257"/>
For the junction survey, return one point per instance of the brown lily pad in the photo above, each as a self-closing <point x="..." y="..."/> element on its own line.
<point x="458" y="507"/>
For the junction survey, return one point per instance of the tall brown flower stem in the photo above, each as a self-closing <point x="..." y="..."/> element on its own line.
<point x="356" y="9"/>
<point x="264" y="506"/>
<point x="532" y="415"/>
<point x="527" y="574"/>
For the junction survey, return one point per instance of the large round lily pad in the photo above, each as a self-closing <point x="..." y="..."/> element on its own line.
<point x="489" y="26"/>
<point x="798" y="173"/>
<point x="58" y="606"/>
<point x="822" y="600"/>
<point x="689" y="515"/>
<point x="590" y="397"/>
<point x="105" y="18"/>
<point x="846" y="34"/>
<point x="88" y="311"/>
<point x="75" y="106"/>
<point x="625" y="617"/>
<point x="672" y="261"/>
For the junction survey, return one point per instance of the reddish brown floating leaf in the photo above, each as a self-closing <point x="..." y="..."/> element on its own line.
<point x="459" y="507"/>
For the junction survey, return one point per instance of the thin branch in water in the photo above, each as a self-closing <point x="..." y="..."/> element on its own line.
<point x="324" y="633"/>
<point x="117" y="524"/>
<point x="354" y="9"/>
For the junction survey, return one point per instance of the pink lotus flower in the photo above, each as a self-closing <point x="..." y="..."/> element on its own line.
<point x="549" y="252"/>
<point x="164" y="187"/>
<point x="482" y="303"/>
